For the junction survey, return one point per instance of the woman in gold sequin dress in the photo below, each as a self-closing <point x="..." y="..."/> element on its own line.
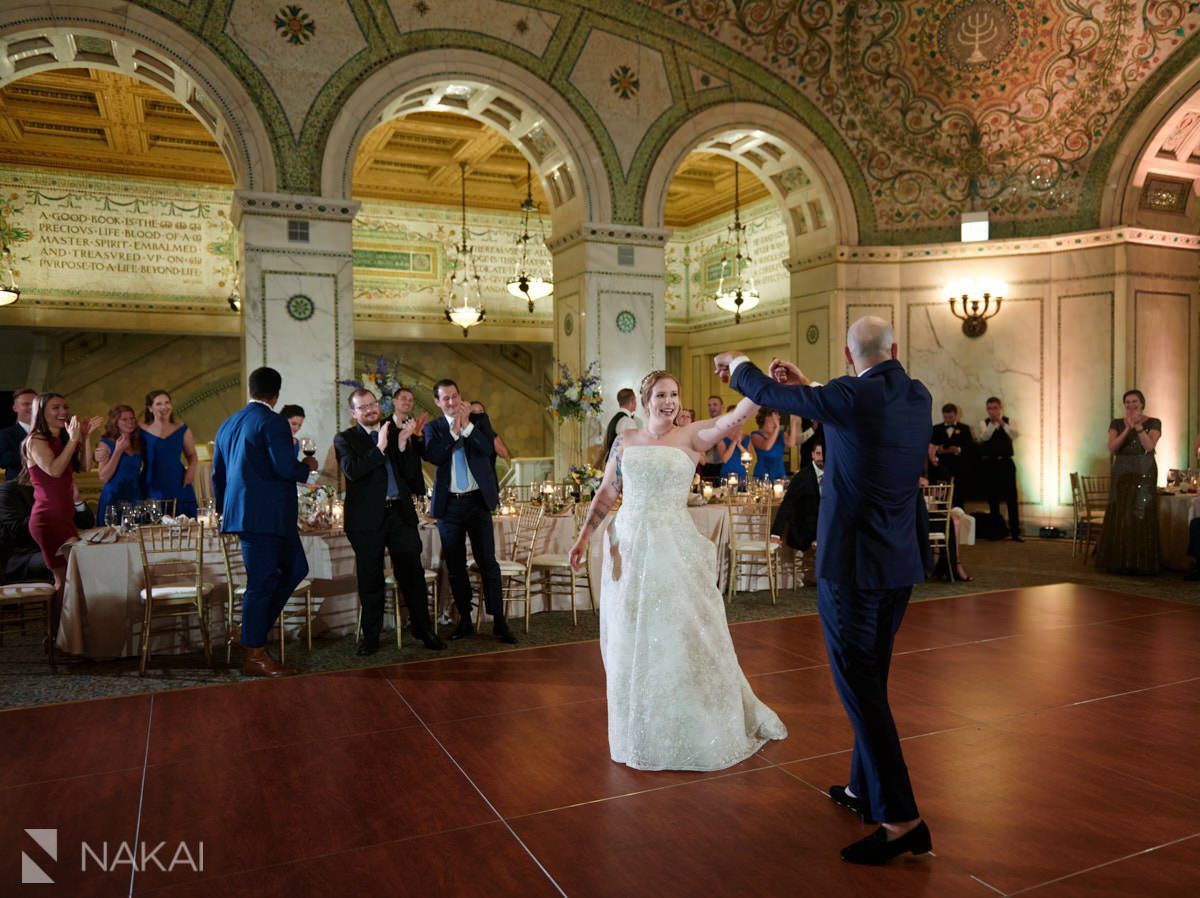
<point x="677" y="698"/>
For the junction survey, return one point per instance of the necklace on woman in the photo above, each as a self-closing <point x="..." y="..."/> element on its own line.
<point x="659" y="436"/>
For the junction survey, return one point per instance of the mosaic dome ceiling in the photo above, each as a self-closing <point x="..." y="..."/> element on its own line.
<point x="952" y="106"/>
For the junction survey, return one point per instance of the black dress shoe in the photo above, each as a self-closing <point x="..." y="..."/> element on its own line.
<point x="1017" y="538"/>
<point x="504" y="635"/>
<point x="464" y="628"/>
<point x="367" y="647"/>
<point x="875" y="849"/>
<point x="855" y="803"/>
<point x="432" y="642"/>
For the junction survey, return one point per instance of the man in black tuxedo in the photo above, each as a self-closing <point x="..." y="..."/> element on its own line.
<point x="12" y="436"/>
<point x="796" y="518"/>
<point x="953" y="447"/>
<point x="623" y="420"/>
<point x="382" y="474"/>
<point x="462" y="445"/>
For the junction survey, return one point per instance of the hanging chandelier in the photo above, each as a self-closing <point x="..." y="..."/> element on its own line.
<point x="523" y="285"/>
<point x="733" y="293"/>
<point x="464" y="298"/>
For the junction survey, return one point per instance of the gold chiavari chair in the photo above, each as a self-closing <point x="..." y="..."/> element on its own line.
<point x="23" y="603"/>
<point x="938" y="501"/>
<point x="391" y="596"/>
<point x="750" y="545"/>
<point x="557" y="572"/>
<point x="515" y="572"/>
<point x="1093" y="489"/>
<point x="173" y="578"/>
<point x="298" y="606"/>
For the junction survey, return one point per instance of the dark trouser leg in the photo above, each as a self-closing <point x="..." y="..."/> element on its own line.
<point x="453" y="531"/>
<point x="404" y="545"/>
<point x="1009" y="479"/>
<point x="483" y="547"/>
<point x="368" y="567"/>
<point x="262" y="554"/>
<point x="785" y="524"/>
<point x="1194" y="539"/>
<point x="991" y="482"/>
<point x="860" y="628"/>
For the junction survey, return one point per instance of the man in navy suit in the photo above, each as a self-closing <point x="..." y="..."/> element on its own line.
<point x="868" y="555"/>
<point x="254" y="473"/>
<point x="462" y="446"/>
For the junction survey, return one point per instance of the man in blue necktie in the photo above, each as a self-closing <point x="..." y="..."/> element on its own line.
<point x="462" y="445"/>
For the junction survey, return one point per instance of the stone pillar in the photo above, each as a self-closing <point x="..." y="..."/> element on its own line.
<point x="609" y="307"/>
<point x="297" y="301"/>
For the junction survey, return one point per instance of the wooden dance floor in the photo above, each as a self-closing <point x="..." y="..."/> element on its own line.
<point x="1052" y="733"/>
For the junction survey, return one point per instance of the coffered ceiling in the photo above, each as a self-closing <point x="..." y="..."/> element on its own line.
<point x="91" y="120"/>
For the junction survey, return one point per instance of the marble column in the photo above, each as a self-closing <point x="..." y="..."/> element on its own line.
<point x="609" y="307"/>
<point x="297" y="301"/>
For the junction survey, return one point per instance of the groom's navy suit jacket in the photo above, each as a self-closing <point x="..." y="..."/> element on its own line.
<point x="876" y="437"/>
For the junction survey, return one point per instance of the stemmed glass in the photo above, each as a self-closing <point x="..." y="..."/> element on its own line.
<point x="308" y="447"/>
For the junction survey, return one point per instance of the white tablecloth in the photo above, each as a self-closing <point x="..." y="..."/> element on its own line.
<point x="1174" y="513"/>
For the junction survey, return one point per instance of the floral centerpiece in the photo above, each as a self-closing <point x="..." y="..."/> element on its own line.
<point x="319" y="507"/>
<point x="383" y="382"/>
<point x="585" y="478"/>
<point x="574" y="398"/>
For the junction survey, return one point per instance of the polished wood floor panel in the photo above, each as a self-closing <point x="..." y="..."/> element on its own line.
<point x="485" y="860"/>
<point x="1051" y="734"/>
<point x="99" y="809"/>
<point x="56" y="741"/>
<point x="256" y="715"/>
<point x="279" y="805"/>
<point x="549" y="757"/>
<point x="476" y="685"/>
<point x="758" y="833"/>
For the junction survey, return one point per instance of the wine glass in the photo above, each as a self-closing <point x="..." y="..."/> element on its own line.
<point x="308" y="447"/>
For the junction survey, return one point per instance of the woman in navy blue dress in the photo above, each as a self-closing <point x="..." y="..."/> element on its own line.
<point x="730" y="450"/>
<point x="771" y="441"/>
<point x="167" y="440"/>
<point x="121" y="456"/>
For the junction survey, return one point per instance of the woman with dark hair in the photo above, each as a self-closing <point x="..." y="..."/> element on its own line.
<point x="770" y="442"/>
<point x="55" y="448"/>
<point x="166" y="440"/>
<point x="294" y="415"/>
<point x="120" y="455"/>
<point x="729" y="450"/>
<point x="1129" y="538"/>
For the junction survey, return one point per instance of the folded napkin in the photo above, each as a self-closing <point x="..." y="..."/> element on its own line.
<point x="169" y="521"/>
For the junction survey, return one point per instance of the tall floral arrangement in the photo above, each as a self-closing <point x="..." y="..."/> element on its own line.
<point x="383" y="382"/>
<point x="574" y="398"/>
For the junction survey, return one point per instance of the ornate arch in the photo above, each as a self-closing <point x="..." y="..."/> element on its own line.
<point x="797" y="169"/>
<point x="502" y="95"/>
<point x="145" y="46"/>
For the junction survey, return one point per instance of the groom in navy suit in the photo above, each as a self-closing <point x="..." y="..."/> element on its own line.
<point x="868" y="555"/>
<point x="462" y="446"/>
<point x="254" y="473"/>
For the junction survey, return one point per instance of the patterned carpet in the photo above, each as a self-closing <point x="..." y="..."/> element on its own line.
<point x="26" y="678"/>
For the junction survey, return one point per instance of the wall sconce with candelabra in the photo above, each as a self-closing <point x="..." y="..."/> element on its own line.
<point x="980" y="301"/>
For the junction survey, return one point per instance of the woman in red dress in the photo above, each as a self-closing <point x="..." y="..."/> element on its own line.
<point x="53" y="451"/>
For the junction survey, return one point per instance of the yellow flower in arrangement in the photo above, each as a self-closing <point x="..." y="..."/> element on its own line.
<point x="574" y="398"/>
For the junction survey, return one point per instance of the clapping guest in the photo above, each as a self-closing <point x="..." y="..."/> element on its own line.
<point x="120" y="456"/>
<point x="685" y="417"/>
<point x="381" y="517"/>
<point x="996" y="467"/>
<point x="166" y="440"/>
<point x="731" y="448"/>
<point x="770" y="441"/>
<point x="13" y="436"/>
<point x="501" y="449"/>
<point x="294" y="415"/>
<point x="1129" y="538"/>
<point x="55" y="448"/>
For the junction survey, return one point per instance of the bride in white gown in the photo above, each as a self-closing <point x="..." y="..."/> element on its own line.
<point x="677" y="698"/>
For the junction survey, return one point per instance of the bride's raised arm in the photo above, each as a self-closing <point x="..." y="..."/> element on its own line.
<point x="708" y="433"/>
<point x="602" y="503"/>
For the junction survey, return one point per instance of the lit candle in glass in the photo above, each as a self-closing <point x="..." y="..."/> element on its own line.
<point x="337" y="512"/>
<point x="777" y="489"/>
<point x="707" y="491"/>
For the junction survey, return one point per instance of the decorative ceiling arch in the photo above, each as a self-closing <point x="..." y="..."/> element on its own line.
<point x="147" y="48"/>
<point x="798" y="172"/>
<point x="506" y="97"/>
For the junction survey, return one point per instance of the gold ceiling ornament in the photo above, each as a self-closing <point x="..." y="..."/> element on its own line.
<point x="980" y="298"/>
<point x="464" y="297"/>
<point x="735" y="294"/>
<point x="523" y="285"/>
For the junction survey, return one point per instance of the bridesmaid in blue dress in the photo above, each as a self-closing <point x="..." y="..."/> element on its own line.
<point x="730" y="452"/>
<point x="166" y="440"/>
<point x="121" y="456"/>
<point x="770" y="441"/>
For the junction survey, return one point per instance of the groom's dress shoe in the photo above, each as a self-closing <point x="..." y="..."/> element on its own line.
<point x="504" y="634"/>
<point x="431" y="642"/>
<point x="875" y="849"/>
<point x="464" y="628"/>
<point x="259" y="663"/>
<point x="855" y="803"/>
<point x="367" y="647"/>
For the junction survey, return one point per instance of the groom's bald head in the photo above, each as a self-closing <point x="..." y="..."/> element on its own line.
<point x="869" y="341"/>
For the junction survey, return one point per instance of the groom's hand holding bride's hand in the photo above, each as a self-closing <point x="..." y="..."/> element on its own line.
<point x="787" y="373"/>
<point x="722" y="361"/>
